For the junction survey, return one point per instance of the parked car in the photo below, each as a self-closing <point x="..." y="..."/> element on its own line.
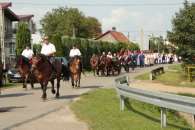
<point x="13" y="75"/>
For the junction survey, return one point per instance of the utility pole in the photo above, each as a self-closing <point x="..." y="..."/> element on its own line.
<point x="2" y="35"/>
<point x="128" y="36"/>
<point x="73" y="33"/>
<point x="142" y="39"/>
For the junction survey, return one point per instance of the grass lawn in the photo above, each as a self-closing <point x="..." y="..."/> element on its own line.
<point x="100" y="109"/>
<point x="173" y="76"/>
<point x="11" y="85"/>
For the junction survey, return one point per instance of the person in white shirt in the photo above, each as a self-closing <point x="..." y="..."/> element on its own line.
<point x="28" y="53"/>
<point x="48" y="48"/>
<point x="74" y="52"/>
<point x="109" y="55"/>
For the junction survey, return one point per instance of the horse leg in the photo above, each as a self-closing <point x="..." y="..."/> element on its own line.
<point x="79" y="80"/>
<point x="52" y="89"/>
<point x="32" y="83"/>
<point x="25" y="81"/>
<point x="44" y="96"/>
<point x="31" y="80"/>
<point x="58" y="87"/>
<point x="97" y="71"/>
<point x="72" y="81"/>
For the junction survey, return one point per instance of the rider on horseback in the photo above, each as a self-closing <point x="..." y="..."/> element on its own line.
<point x="109" y="55"/>
<point x="28" y="54"/>
<point x="73" y="53"/>
<point x="48" y="49"/>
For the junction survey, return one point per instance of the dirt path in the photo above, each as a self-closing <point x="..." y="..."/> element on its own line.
<point x="152" y="86"/>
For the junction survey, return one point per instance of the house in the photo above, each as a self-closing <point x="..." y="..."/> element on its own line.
<point x="7" y="32"/>
<point x="113" y="36"/>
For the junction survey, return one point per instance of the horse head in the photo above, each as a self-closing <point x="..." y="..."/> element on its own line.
<point x="21" y="60"/>
<point x="37" y="60"/>
<point x="94" y="61"/>
<point x="75" y="64"/>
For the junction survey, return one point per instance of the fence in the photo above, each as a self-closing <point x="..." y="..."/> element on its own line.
<point x="156" y="72"/>
<point x="163" y="100"/>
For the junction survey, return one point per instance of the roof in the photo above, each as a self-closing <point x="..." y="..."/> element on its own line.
<point x="5" y="5"/>
<point x="118" y="36"/>
<point x="25" y="17"/>
<point x="10" y="14"/>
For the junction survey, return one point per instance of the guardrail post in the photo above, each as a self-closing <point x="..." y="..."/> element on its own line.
<point x="122" y="103"/>
<point x="163" y="118"/>
<point x="193" y="121"/>
<point x="151" y="76"/>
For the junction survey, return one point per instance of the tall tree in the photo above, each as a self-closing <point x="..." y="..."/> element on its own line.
<point x="183" y="32"/>
<point x="66" y="21"/>
<point x="156" y="44"/>
<point x="23" y="37"/>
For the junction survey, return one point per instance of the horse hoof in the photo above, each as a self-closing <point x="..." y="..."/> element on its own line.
<point x="44" y="96"/>
<point x="57" y="95"/>
<point x="53" y="91"/>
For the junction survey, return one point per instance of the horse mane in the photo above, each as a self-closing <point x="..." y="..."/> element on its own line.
<point x="21" y="60"/>
<point x="43" y="57"/>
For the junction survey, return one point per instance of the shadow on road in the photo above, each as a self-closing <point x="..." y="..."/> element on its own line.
<point x="8" y="109"/>
<point x="69" y="96"/>
<point x="15" y="95"/>
<point x="91" y="87"/>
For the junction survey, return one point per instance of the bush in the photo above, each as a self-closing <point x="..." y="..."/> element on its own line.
<point x="88" y="47"/>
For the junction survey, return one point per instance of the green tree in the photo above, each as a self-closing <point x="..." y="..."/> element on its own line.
<point x="62" y="21"/>
<point x="23" y="37"/>
<point x="183" y="32"/>
<point x="37" y="48"/>
<point x="156" y="44"/>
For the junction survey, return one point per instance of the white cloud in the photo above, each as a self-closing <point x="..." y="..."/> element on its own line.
<point x="117" y="17"/>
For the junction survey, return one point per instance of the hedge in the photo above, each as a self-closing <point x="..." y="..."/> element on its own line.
<point x="87" y="47"/>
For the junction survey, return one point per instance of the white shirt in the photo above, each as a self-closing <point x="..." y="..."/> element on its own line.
<point x="28" y="53"/>
<point x="109" y="56"/>
<point x="75" y="52"/>
<point x="48" y="49"/>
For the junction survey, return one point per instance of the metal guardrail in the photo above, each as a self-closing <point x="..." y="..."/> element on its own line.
<point x="163" y="100"/>
<point x="155" y="72"/>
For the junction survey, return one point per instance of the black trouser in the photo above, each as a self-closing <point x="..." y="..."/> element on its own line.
<point x="51" y="60"/>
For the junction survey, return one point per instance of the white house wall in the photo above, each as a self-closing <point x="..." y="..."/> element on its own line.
<point x="108" y="38"/>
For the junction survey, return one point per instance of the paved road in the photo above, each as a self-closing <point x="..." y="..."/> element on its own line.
<point x="24" y="109"/>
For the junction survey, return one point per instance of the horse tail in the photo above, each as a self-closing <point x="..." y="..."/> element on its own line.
<point x="65" y="72"/>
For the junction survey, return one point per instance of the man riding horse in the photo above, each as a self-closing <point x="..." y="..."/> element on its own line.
<point x="46" y="68"/>
<point x="24" y="66"/>
<point x="75" y="66"/>
<point x="27" y="53"/>
<point x="48" y="49"/>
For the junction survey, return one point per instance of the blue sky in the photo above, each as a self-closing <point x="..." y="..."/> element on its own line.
<point x="153" y="19"/>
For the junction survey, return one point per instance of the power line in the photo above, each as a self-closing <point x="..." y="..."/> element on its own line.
<point x="99" y="4"/>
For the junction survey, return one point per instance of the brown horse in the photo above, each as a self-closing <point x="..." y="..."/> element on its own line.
<point x="75" y="71"/>
<point x="94" y="61"/>
<point x="102" y="65"/>
<point x="23" y="67"/>
<point x="45" y="72"/>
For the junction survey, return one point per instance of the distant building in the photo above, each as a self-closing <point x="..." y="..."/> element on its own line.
<point x="7" y="32"/>
<point x="113" y="36"/>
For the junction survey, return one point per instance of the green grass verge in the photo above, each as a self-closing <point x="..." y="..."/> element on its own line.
<point x="100" y="109"/>
<point x="173" y="76"/>
<point x="11" y="85"/>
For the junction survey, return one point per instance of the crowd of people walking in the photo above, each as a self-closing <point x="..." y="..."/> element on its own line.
<point x="143" y="59"/>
